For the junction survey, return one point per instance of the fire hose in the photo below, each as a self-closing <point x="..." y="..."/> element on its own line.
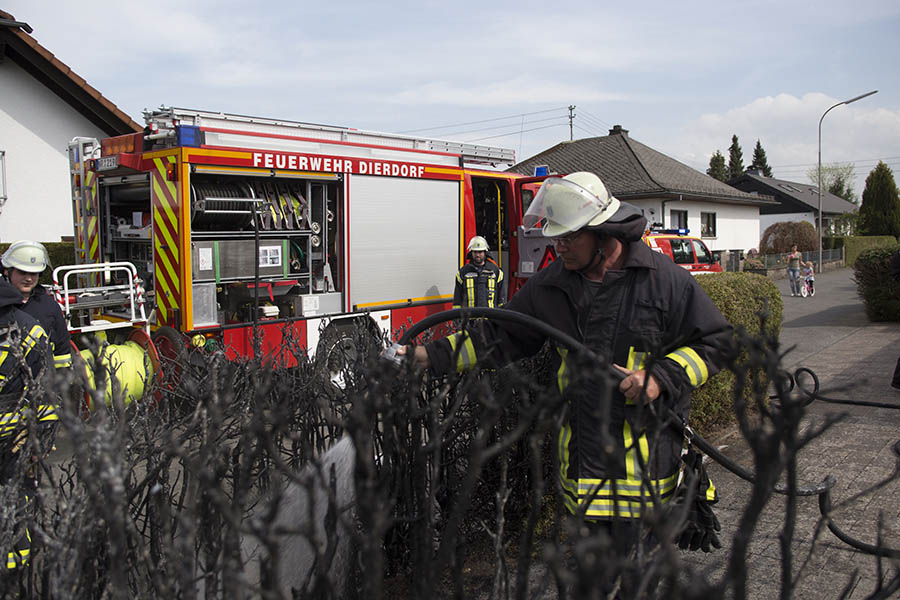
<point x="823" y="490"/>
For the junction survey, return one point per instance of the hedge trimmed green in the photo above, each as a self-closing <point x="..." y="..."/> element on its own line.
<point x="856" y="245"/>
<point x="742" y="298"/>
<point x="879" y="292"/>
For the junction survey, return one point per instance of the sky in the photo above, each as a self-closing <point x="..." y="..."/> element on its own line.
<point x="682" y="77"/>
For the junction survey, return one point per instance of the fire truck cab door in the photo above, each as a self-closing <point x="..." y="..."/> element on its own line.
<point x="535" y="251"/>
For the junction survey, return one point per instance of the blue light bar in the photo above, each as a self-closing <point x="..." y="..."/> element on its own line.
<point x="541" y="170"/>
<point x="189" y="135"/>
<point x="682" y="231"/>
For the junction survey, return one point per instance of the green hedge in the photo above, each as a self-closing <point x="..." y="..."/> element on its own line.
<point x="831" y="242"/>
<point x="855" y="245"/>
<point x="741" y="297"/>
<point x="879" y="292"/>
<point x="61" y="253"/>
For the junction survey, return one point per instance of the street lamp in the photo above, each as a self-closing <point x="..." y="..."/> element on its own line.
<point x="820" y="164"/>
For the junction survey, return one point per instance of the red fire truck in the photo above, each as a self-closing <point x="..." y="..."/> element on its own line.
<point x="239" y="224"/>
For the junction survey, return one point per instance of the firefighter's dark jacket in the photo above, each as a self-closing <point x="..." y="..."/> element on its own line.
<point x="649" y="314"/>
<point x="482" y="285"/>
<point x="21" y="337"/>
<point x="19" y="333"/>
<point x="44" y="308"/>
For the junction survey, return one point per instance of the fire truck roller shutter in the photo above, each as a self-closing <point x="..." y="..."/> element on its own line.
<point x="404" y="238"/>
<point x="218" y="205"/>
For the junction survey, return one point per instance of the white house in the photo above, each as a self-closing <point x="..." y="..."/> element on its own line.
<point x="43" y="105"/>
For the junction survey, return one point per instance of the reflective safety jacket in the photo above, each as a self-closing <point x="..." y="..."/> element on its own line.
<point x="44" y="308"/>
<point x="651" y="313"/>
<point x="479" y="286"/>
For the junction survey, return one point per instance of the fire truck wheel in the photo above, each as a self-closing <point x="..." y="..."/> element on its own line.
<point x="172" y="347"/>
<point x="344" y="348"/>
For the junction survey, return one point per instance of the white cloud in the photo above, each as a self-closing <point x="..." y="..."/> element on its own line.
<point x="787" y="127"/>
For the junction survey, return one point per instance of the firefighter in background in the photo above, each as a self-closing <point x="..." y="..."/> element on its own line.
<point x="23" y="262"/>
<point x="480" y="281"/>
<point x="23" y="353"/>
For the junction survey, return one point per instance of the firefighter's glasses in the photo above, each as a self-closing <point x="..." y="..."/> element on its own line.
<point x="565" y="240"/>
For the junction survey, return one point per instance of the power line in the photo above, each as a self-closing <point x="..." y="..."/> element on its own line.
<point x="512" y="133"/>
<point x="504" y="126"/>
<point x="537" y="112"/>
<point x="598" y="119"/>
<point x="886" y="158"/>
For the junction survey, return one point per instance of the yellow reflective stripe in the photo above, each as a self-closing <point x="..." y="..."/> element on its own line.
<point x="562" y="374"/>
<point x="470" y="290"/>
<point x="633" y="460"/>
<point x="565" y="436"/>
<point x="711" y="491"/>
<point x="628" y="500"/>
<point x="492" y="285"/>
<point x="636" y="359"/>
<point x="31" y="340"/>
<point x="9" y="422"/>
<point x="692" y="364"/>
<point x="19" y="557"/>
<point x="466" y="354"/>
<point x="61" y="361"/>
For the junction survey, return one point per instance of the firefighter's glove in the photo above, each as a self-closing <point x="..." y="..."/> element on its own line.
<point x="701" y="527"/>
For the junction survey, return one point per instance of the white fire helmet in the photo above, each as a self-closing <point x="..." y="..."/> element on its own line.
<point x="477" y="243"/>
<point x="568" y="204"/>
<point x="27" y="256"/>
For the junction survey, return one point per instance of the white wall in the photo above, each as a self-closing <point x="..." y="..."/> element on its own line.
<point x="737" y="226"/>
<point x="766" y="220"/>
<point x="35" y="128"/>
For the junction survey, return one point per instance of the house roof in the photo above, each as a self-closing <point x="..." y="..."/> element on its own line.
<point x="796" y="197"/>
<point x="633" y="171"/>
<point x="17" y="45"/>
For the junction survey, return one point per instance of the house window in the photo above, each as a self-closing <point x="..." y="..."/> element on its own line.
<point x="707" y="224"/>
<point x="679" y="219"/>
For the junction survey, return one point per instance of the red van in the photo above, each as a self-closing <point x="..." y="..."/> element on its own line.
<point x="687" y="251"/>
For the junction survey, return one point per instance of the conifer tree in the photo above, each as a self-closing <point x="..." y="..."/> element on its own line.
<point x="716" y="168"/>
<point x="735" y="159"/>
<point x="879" y="213"/>
<point x="759" y="160"/>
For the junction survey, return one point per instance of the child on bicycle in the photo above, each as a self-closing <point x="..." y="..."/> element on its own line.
<point x="808" y="279"/>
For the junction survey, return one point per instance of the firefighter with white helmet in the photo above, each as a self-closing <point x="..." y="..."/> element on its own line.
<point x="480" y="282"/>
<point x="22" y="263"/>
<point x="23" y="354"/>
<point x="639" y="311"/>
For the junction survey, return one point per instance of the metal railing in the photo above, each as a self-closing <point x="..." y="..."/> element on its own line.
<point x="780" y="261"/>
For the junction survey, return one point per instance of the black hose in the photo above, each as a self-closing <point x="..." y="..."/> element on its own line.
<point x="823" y="490"/>
<point x="809" y="396"/>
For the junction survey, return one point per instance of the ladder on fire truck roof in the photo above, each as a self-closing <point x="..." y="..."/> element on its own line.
<point x="163" y="120"/>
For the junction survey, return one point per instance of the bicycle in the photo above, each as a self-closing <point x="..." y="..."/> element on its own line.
<point x="808" y="286"/>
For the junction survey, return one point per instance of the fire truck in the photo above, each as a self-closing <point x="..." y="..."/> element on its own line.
<point x="246" y="230"/>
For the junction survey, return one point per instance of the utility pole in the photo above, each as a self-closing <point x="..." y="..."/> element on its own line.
<point x="571" y="119"/>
